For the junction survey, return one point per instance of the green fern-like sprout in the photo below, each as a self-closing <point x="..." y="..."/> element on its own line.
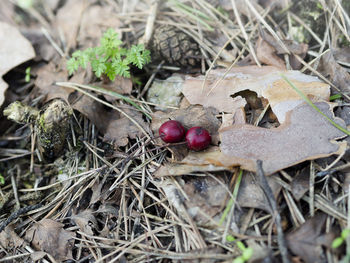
<point x="109" y="58"/>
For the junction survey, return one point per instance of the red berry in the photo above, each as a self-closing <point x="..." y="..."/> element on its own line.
<point x="198" y="138"/>
<point x="172" y="131"/>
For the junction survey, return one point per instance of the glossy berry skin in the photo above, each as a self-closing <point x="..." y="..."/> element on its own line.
<point x="172" y="131"/>
<point x="197" y="138"/>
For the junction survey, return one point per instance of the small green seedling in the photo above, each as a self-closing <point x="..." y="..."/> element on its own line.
<point x="337" y="242"/>
<point x="27" y="77"/>
<point x="335" y="97"/>
<point x="2" y="179"/>
<point x="25" y="4"/>
<point x="109" y="58"/>
<point x="247" y="252"/>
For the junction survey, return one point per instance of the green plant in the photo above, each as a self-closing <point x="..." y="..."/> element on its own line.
<point x="27" y="77"/>
<point x="337" y="242"/>
<point x="2" y="179"/>
<point x="247" y="252"/>
<point x="109" y="58"/>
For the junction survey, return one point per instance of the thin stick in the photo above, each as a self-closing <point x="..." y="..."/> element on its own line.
<point x="17" y="214"/>
<point x="274" y="212"/>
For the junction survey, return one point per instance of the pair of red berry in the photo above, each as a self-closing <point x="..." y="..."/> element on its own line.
<point x="197" y="138"/>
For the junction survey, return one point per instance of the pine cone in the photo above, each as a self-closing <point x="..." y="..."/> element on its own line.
<point x="175" y="47"/>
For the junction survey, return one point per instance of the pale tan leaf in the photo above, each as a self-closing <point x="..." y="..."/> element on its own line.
<point x="14" y="50"/>
<point x="265" y="81"/>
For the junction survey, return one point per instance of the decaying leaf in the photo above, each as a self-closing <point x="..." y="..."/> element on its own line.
<point x="267" y="54"/>
<point x="112" y="124"/>
<point x="204" y="197"/>
<point x="305" y="135"/>
<point x="45" y="81"/>
<point x="119" y="129"/>
<point x="94" y="22"/>
<point x="301" y="183"/>
<point x="306" y="241"/>
<point x="120" y="85"/>
<point x="166" y="92"/>
<point x="290" y="46"/>
<point x="49" y="236"/>
<point x="265" y="81"/>
<point x="68" y="19"/>
<point x="86" y="221"/>
<point x="208" y="160"/>
<point x="9" y="239"/>
<point x="251" y="195"/>
<point x="14" y="50"/>
<point x="337" y="74"/>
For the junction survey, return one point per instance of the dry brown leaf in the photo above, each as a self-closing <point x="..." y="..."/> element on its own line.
<point x="301" y="183"/>
<point x="209" y="160"/>
<point x="112" y="124"/>
<point x="265" y="81"/>
<point x="120" y="85"/>
<point x="9" y="239"/>
<point x="292" y="46"/>
<point x="45" y="81"/>
<point x="205" y="198"/>
<point x="95" y="20"/>
<point x="342" y="54"/>
<point x="119" y="129"/>
<point x="14" y="50"/>
<point x="304" y="241"/>
<point x="251" y="195"/>
<point x="49" y="236"/>
<point x="305" y="135"/>
<point x="337" y="74"/>
<point x="86" y="221"/>
<point x="267" y="54"/>
<point x="68" y="19"/>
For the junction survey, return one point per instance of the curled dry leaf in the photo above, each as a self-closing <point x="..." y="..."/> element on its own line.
<point x="206" y="197"/>
<point x="113" y="125"/>
<point x="293" y="47"/>
<point x="306" y="240"/>
<point x="305" y="135"/>
<point x="338" y="75"/>
<point x="49" y="236"/>
<point x="203" y="199"/>
<point x="9" y="238"/>
<point x="267" y="54"/>
<point x="251" y="194"/>
<point x="86" y="221"/>
<point x="14" y="50"/>
<point x="301" y="183"/>
<point x="265" y="81"/>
